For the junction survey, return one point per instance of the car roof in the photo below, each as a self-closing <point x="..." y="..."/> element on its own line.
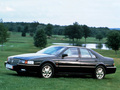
<point x="68" y="46"/>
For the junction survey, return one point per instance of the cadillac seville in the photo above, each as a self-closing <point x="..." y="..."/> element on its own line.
<point x="54" y="59"/>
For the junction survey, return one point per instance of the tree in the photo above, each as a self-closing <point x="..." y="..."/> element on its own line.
<point x="3" y="34"/>
<point x="23" y="34"/>
<point x="113" y="40"/>
<point x="19" y="29"/>
<point x="74" y="31"/>
<point x="103" y="30"/>
<point x="33" y="26"/>
<point x="86" y="31"/>
<point x="24" y="31"/>
<point x="40" y="39"/>
<point x="48" y="29"/>
<point x="99" y="36"/>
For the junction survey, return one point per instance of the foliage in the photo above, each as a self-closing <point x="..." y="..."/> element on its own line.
<point x="32" y="27"/>
<point x="99" y="36"/>
<point x="74" y="31"/>
<point x="23" y="34"/>
<point x="48" y="29"/>
<point x="25" y="31"/>
<point x="86" y="31"/>
<point x="113" y="40"/>
<point x="31" y="34"/>
<point x="40" y="39"/>
<point x="103" y="30"/>
<point x="56" y="29"/>
<point x="18" y="29"/>
<point x="3" y="35"/>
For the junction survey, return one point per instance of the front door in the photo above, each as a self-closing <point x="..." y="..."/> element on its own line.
<point x="71" y="62"/>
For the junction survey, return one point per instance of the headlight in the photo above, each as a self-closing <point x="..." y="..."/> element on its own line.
<point x="8" y="59"/>
<point x="21" y="61"/>
<point x="30" y="62"/>
<point x="26" y="62"/>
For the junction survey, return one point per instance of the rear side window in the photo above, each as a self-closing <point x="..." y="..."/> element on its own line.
<point x="85" y="53"/>
<point x="92" y="55"/>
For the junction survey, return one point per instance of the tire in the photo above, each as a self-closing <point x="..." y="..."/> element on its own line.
<point x="47" y="70"/>
<point x="100" y="72"/>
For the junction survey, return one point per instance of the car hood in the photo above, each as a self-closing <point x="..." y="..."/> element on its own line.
<point x="31" y="56"/>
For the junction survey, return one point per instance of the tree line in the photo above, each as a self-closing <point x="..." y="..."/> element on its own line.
<point x="40" y="31"/>
<point x="31" y="27"/>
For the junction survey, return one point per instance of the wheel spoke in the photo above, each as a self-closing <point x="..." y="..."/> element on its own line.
<point x="99" y="73"/>
<point x="46" y="71"/>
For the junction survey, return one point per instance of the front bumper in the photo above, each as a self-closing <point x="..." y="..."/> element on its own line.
<point x="110" y="70"/>
<point x="22" y="67"/>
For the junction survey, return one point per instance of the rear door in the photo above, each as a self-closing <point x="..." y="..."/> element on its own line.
<point x="88" y="60"/>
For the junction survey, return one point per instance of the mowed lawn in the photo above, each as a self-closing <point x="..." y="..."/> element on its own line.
<point x="9" y="80"/>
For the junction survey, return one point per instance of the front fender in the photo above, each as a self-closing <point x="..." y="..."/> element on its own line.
<point x="48" y="61"/>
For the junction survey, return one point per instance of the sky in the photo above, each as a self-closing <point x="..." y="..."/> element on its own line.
<point x="94" y="13"/>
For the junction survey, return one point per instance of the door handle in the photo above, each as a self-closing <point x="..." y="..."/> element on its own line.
<point x="95" y="60"/>
<point x="77" y="60"/>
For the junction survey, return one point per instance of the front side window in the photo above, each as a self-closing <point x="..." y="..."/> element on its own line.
<point x="72" y="52"/>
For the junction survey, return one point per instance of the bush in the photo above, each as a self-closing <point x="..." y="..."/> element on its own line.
<point x="40" y="39"/>
<point x="23" y="34"/>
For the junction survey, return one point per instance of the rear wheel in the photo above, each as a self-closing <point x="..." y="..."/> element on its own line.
<point x="100" y="72"/>
<point x="47" y="70"/>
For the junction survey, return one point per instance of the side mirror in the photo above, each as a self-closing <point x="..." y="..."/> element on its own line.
<point x="64" y="55"/>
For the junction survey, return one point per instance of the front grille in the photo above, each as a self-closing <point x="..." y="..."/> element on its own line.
<point x="13" y="61"/>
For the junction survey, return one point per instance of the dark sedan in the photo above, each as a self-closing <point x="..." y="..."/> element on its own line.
<point x="51" y="60"/>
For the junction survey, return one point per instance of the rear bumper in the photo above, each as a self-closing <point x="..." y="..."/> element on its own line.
<point x="21" y="67"/>
<point x="110" y="70"/>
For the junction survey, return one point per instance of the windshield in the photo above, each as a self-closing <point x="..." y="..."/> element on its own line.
<point x="51" y="50"/>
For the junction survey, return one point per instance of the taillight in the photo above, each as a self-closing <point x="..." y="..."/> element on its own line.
<point x="113" y="64"/>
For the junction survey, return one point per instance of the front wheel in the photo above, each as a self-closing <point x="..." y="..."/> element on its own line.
<point x="47" y="70"/>
<point x="100" y="72"/>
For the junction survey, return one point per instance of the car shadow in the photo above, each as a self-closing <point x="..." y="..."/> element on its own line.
<point x="55" y="76"/>
<point x="73" y="76"/>
<point x="23" y="74"/>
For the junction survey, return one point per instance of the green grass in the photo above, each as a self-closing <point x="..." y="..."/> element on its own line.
<point x="62" y="39"/>
<point x="9" y="80"/>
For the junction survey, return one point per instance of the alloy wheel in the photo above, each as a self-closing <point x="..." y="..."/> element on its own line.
<point x="47" y="71"/>
<point x="100" y="72"/>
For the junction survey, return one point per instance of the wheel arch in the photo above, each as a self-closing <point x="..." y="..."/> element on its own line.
<point x="101" y="65"/>
<point x="50" y="62"/>
<point x="98" y="74"/>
